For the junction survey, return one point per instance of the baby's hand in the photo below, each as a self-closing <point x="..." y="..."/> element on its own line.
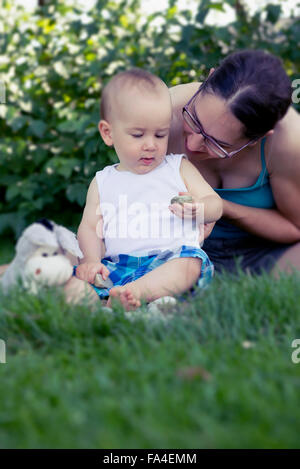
<point x="88" y="270"/>
<point x="191" y="209"/>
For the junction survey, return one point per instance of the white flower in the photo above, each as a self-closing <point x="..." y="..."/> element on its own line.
<point x="247" y="344"/>
<point x="61" y="69"/>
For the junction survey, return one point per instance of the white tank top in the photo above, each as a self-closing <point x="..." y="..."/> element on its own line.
<point x="136" y="217"/>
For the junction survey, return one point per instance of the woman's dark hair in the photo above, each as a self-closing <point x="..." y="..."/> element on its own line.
<point x="256" y="88"/>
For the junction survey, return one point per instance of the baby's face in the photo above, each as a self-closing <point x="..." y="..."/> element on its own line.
<point x="140" y="127"/>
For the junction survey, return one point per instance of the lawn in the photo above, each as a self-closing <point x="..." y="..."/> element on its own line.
<point x="215" y="371"/>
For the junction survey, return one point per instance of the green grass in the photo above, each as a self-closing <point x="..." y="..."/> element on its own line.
<point x="7" y="250"/>
<point x="81" y="379"/>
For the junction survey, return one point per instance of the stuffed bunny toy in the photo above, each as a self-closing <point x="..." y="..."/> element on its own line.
<point x="41" y="260"/>
<point x="42" y="257"/>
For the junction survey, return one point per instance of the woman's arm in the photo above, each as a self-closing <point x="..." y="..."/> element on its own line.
<point x="283" y="223"/>
<point x="266" y="223"/>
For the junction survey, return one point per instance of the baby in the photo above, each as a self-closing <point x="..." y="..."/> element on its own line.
<point x="129" y="232"/>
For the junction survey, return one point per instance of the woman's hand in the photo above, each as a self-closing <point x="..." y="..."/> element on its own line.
<point x="87" y="271"/>
<point x="208" y="227"/>
<point x="205" y="231"/>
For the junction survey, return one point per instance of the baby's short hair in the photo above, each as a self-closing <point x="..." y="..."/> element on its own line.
<point x="131" y="77"/>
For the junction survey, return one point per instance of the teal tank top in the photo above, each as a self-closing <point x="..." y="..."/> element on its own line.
<point x="258" y="195"/>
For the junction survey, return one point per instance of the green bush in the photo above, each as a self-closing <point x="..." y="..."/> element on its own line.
<point x="54" y="64"/>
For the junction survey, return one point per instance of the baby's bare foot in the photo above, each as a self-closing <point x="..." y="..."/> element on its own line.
<point x="127" y="295"/>
<point x="129" y="300"/>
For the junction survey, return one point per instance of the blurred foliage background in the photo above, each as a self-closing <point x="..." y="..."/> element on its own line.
<point x="54" y="63"/>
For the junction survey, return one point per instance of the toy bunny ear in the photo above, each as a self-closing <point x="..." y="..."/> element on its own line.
<point x="32" y="237"/>
<point x="68" y="241"/>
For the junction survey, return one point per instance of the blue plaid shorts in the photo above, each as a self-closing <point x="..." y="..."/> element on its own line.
<point x="127" y="268"/>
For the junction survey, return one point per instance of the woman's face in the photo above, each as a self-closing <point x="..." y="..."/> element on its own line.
<point x="217" y="121"/>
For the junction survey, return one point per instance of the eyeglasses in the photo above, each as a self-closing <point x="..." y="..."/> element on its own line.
<point x="194" y="123"/>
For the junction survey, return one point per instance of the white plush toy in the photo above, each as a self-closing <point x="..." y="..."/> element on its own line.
<point x="41" y="257"/>
<point x="41" y="260"/>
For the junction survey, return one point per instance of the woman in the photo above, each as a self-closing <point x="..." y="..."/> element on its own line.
<point x="240" y="131"/>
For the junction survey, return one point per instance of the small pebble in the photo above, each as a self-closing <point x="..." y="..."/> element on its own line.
<point x="99" y="282"/>
<point x="181" y="199"/>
